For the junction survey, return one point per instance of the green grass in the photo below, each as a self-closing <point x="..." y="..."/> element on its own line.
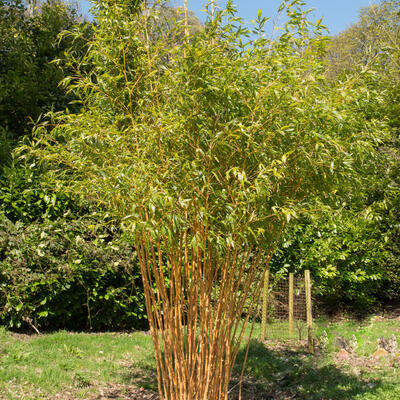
<point x="81" y="366"/>
<point x="39" y="367"/>
<point x="366" y="332"/>
<point x="289" y="369"/>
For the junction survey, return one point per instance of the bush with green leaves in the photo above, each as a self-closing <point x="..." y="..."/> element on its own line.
<point x="345" y="253"/>
<point x="62" y="265"/>
<point x="26" y="198"/>
<point x="68" y="274"/>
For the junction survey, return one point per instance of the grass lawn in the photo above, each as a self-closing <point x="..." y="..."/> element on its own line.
<point x="121" y="366"/>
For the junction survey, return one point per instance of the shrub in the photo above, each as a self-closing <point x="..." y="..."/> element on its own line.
<point x="346" y="254"/>
<point x="25" y="198"/>
<point x="67" y="274"/>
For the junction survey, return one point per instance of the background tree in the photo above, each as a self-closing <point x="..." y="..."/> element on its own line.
<point x="29" y="81"/>
<point x="373" y="37"/>
<point x="360" y="265"/>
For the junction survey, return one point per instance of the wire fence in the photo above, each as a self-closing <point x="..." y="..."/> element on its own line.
<point x="287" y="309"/>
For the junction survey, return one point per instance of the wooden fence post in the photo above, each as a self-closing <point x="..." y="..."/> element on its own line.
<point x="265" y="305"/>
<point x="307" y="282"/>
<point x="291" y="302"/>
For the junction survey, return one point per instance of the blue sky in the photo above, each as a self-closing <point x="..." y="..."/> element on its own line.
<point x="337" y="14"/>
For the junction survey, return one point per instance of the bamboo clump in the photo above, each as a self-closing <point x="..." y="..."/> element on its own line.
<point x="199" y="302"/>
<point x="188" y="142"/>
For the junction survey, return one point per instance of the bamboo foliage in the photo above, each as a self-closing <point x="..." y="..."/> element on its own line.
<point x="204" y="147"/>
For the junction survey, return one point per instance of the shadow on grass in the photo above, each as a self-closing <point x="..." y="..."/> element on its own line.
<point x="284" y="374"/>
<point x="142" y="375"/>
